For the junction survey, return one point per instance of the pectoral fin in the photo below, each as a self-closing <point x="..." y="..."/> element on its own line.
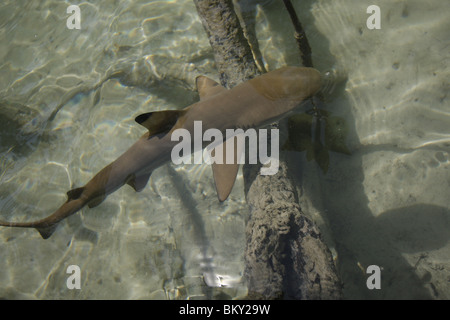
<point x="159" y="121"/>
<point x="207" y="87"/>
<point x="96" y="201"/>
<point x="139" y="182"/>
<point x="225" y="173"/>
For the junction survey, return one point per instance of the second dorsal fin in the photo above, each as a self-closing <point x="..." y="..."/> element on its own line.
<point x="74" y="193"/>
<point x="159" y="121"/>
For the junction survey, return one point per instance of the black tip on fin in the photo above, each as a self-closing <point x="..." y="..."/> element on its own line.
<point x="159" y="121"/>
<point x="74" y="193"/>
<point x="46" y="232"/>
<point x="142" y="117"/>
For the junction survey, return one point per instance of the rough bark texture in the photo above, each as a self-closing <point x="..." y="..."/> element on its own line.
<point x="285" y="256"/>
<point x="246" y="12"/>
<point x="232" y="53"/>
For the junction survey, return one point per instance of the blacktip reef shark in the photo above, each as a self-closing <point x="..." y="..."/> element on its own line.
<point x="251" y="104"/>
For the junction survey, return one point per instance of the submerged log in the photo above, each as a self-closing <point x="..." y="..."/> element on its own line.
<point x="232" y="53"/>
<point x="285" y="256"/>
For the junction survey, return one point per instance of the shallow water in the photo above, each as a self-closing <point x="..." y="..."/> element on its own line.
<point x="68" y="99"/>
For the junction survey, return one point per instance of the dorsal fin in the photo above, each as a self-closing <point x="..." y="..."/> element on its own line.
<point x="207" y="87"/>
<point x="159" y="121"/>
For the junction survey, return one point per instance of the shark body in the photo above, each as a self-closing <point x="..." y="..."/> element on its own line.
<point x="252" y="104"/>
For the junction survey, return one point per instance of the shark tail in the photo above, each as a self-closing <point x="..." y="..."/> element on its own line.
<point x="47" y="226"/>
<point x="45" y="230"/>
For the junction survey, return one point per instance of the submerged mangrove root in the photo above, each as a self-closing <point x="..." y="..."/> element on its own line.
<point x="232" y="53"/>
<point x="246" y="12"/>
<point x="285" y="256"/>
<point x="299" y="35"/>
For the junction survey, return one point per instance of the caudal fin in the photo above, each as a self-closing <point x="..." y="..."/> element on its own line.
<point x="48" y="225"/>
<point x="45" y="230"/>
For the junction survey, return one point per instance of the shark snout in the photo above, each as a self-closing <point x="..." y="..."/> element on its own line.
<point x="311" y="81"/>
<point x="330" y="79"/>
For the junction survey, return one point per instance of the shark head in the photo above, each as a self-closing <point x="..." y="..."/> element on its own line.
<point x="293" y="84"/>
